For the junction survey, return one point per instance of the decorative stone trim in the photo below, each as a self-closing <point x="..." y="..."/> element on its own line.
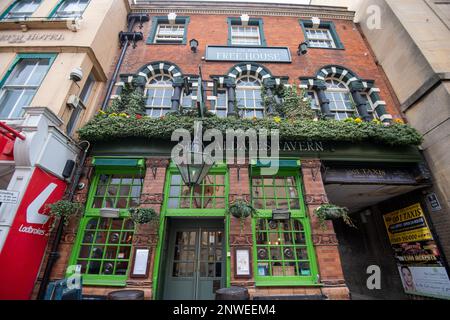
<point x="232" y="197"/>
<point x="328" y="239"/>
<point x="152" y="198"/>
<point x="316" y="199"/>
<point x="160" y="163"/>
<point x="312" y="163"/>
<point x="241" y="239"/>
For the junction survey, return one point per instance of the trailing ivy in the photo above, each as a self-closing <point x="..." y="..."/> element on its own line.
<point x="107" y="127"/>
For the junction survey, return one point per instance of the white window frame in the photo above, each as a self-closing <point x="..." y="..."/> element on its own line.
<point x="193" y="98"/>
<point x="238" y="37"/>
<point x="167" y="38"/>
<point x="331" y="95"/>
<point x="23" y="87"/>
<point x="316" y="42"/>
<point x="150" y="109"/>
<point x="221" y="108"/>
<point x="253" y="108"/>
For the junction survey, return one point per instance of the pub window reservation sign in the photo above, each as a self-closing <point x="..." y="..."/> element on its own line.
<point x="256" y="54"/>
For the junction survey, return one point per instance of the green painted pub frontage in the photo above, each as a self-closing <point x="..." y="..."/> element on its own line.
<point x="195" y="247"/>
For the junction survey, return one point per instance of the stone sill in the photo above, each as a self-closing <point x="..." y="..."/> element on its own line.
<point x="72" y="24"/>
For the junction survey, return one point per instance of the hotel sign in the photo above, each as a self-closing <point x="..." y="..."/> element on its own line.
<point x="257" y="54"/>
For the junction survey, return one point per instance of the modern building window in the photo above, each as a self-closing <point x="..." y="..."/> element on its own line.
<point x="210" y="194"/>
<point x="103" y="246"/>
<point x="283" y="252"/>
<point x="21" y="9"/>
<point x="341" y="103"/>
<point x="249" y="34"/>
<point x="158" y="94"/>
<point x="70" y="9"/>
<point x="21" y="83"/>
<point x="323" y="35"/>
<point x="319" y="38"/>
<point x="84" y="99"/>
<point x="248" y="97"/>
<point x="165" y="32"/>
<point x="220" y="106"/>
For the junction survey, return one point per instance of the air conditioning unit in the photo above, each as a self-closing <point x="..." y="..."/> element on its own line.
<point x="74" y="101"/>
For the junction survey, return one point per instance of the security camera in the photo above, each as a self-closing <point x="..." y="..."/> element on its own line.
<point x="76" y="74"/>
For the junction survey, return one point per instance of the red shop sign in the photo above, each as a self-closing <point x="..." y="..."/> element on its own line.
<point x="23" y="251"/>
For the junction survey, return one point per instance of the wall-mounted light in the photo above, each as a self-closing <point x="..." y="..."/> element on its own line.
<point x="194" y="45"/>
<point x="281" y="214"/>
<point x="302" y="49"/>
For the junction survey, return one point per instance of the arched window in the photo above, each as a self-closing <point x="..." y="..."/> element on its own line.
<point x="158" y="93"/>
<point x="248" y="96"/>
<point x="341" y="103"/>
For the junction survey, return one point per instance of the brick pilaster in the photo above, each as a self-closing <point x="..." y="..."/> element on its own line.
<point x="240" y="234"/>
<point x="324" y="240"/>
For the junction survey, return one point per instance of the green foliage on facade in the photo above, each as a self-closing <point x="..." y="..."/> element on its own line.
<point x="107" y="127"/>
<point x="131" y="101"/>
<point x="288" y="102"/>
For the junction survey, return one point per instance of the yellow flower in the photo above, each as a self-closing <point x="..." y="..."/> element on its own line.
<point x="101" y="112"/>
<point x="400" y="121"/>
<point x="376" y="121"/>
<point x="358" y="120"/>
<point x="113" y="114"/>
<point x="123" y="114"/>
<point x="277" y="119"/>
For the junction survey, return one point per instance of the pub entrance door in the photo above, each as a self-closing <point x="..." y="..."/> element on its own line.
<point x="195" y="265"/>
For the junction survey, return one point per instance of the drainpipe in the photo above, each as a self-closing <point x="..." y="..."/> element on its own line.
<point x="125" y="38"/>
<point x="54" y="255"/>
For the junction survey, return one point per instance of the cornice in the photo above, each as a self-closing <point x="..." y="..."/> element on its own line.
<point x="238" y="8"/>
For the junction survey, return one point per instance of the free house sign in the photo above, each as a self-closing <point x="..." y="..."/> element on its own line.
<point x="257" y="54"/>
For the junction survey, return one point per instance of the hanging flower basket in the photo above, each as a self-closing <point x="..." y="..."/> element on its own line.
<point x="64" y="209"/>
<point x="143" y="215"/>
<point x="332" y="212"/>
<point x="241" y="209"/>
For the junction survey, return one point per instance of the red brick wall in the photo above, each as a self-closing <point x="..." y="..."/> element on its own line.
<point x="278" y="31"/>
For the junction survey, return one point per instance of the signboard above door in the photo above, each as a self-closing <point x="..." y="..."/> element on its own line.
<point x="256" y="54"/>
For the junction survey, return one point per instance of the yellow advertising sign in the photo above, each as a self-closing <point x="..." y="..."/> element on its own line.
<point x="407" y="225"/>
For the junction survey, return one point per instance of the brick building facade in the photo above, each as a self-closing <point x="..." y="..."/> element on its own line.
<point x="195" y="243"/>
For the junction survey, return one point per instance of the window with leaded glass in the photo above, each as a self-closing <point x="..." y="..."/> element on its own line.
<point x="103" y="244"/>
<point x="210" y="194"/>
<point x="158" y="95"/>
<point x="248" y="97"/>
<point x="105" y="247"/>
<point x="272" y="192"/>
<point x="118" y="191"/>
<point x="281" y="248"/>
<point x="341" y="103"/>
<point x="22" y="9"/>
<point x="283" y="251"/>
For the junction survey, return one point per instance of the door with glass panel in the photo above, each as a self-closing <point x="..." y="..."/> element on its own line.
<point x="195" y="266"/>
